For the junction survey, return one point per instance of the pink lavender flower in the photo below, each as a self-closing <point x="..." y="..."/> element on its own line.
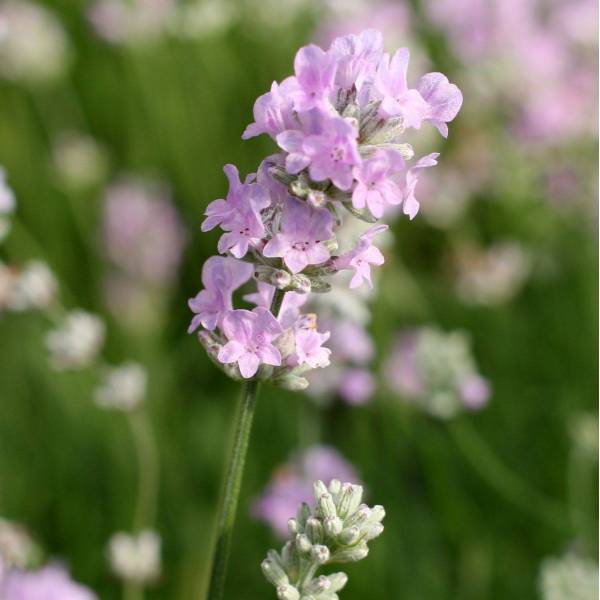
<point x="361" y="257"/>
<point x="356" y="386"/>
<point x="143" y="234"/>
<point x="221" y="277"/>
<point x="436" y="372"/>
<point x="49" y="583"/>
<point x="290" y="306"/>
<point x="300" y="242"/>
<point x="238" y="215"/>
<point x="339" y="123"/>
<point x="292" y="484"/>
<point x="272" y="112"/>
<point x="357" y="58"/>
<point x="329" y="150"/>
<point x="250" y="335"/>
<point x="411" y="204"/>
<point x="444" y="100"/>
<point x="374" y="187"/>
<point x="313" y="83"/>
<point x="309" y="348"/>
<point x="397" y="98"/>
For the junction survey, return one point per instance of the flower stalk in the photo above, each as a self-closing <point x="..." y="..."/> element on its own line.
<point x="233" y="480"/>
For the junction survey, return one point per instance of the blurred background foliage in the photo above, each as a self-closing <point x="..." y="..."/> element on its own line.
<point x="474" y="504"/>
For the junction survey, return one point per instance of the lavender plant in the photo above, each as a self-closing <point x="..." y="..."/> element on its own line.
<point x="339" y="124"/>
<point x="336" y="531"/>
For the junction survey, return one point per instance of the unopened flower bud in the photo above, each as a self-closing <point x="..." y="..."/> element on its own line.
<point x="274" y="572"/>
<point x="377" y="514"/>
<point x="303" y="543"/>
<point x="291" y="382"/>
<point x="320" y="553"/>
<point x="293" y="526"/>
<point x="314" y="530"/>
<point x="349" y="499"/>
<point x="335" y="485"/>
<point x="353" y="554"/>
<point x="337" y="581"/>
<point x="333" y="526"/>
<point x="299" y="188"/>
<point x="317" y="198"/>
<point x="349" y="536"/>
<point x="371" y="531"/>
<point x="318" y="585"/>
<point x="303" y="514"/>
<point x="326" y="505"/>
<point x="300" y="283"/>
<point x="287" y="592"/>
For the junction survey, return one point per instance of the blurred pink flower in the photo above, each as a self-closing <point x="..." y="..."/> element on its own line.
<point x="292" y="484"/>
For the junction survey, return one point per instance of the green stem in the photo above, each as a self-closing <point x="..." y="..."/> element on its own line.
<point x="147" y="459"/>
<point x="233" y="480"/>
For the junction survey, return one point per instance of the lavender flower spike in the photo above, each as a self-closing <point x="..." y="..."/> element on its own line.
<point x="339" y="125"/>
<point x="337" y="530"/>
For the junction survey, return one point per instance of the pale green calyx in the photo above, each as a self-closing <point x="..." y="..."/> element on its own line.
<point x="336" y="531"/>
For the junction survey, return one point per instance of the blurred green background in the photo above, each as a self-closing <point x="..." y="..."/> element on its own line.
<point x="473" y="505"/>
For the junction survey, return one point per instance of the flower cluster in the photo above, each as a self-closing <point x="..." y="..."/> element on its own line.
<point x="337" y="530"/>
<point x="135" y="558"/>
<point x="436" y="372"/>
<point x="292" y="484"/>
<point x="569" y="577"/>
<point x="339" y="124"/>
<point x="51" y="582"/>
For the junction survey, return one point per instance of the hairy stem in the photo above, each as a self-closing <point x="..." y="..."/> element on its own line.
<point x="233" y="479"/>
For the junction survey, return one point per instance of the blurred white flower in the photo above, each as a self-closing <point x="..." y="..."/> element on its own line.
<point x="7" y="203"/>
<point x="76" y="343"/>
<point x="436" y="372"/>
<point x="135" y="557"/>
<point x="569" y="577"/>
<point x="583" y="428"/>
<point x="492" y="276"/>
<point x="34" y="288"/>
<point x="131" y="22"/>
<point x="202" y="18"/>
<point x="123" y="387"/>
<point x="33" y="44"/>
<point x="79" y="160"/>
<point x="17" y="549"/>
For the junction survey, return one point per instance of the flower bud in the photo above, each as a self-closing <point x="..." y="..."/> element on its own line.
<point x="335" y="485"/>
<point x="326" y="505"/>
<point x="318" y="585"/>
<point x="319" y="488"/>
<point x="377" y="514"/>
<point x="333" y="526"/>
<point x="349" y="499"/>
<point x="349" y="536"/>
<point x="303" y="514"/>
<point x="291" y="382"/>
<point x="320" y="554"/>
<point x="303" y="543"/>
<point x="300" y="283"/>
<point x="361" y="515"/>
<point x="371" y="531"/>
<point x="337" y="581"/>
<point x="293" y="526"/>
<point x="317" y="198"/>
<point x="274" y="572"/>
<point x="314" y="530"/>
<point x="287" y="592"/>
<point x="353" y="554"/>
